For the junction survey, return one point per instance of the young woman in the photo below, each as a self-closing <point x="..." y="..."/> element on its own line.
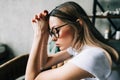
<point x="78" y="40"/>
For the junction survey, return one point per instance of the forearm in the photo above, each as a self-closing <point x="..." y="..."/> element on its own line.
<point x="38" y="56"/>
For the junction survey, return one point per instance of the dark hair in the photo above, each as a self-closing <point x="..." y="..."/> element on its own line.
<point x="70" y="16"/>
<point x="70" y="12"/>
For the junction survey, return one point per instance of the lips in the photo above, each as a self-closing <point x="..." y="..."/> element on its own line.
<point x="57" y="44"/>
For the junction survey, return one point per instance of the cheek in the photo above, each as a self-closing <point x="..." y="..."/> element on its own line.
<point x="65" y="39"/>
<point x="66" y="34"/>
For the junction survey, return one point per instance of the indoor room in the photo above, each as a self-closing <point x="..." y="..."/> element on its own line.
<point x="93" y="27"/>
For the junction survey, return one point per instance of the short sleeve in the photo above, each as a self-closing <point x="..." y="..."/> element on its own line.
<point x="94" y="61"/>
<point x="71" y="51"/>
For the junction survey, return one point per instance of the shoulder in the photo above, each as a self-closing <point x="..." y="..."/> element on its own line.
<point x="92" y="52"/>
<point x="87" y="50"/>
<point x="93" y="60"/>
<point x="91" y="55"/>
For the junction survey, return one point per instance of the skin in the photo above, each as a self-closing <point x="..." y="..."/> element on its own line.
<point x="65" y="35"/>
<point x="39" y="58"/>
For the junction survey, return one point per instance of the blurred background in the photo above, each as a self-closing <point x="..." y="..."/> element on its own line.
<point x="16" y="32"/>
<point x="15" y="19"/>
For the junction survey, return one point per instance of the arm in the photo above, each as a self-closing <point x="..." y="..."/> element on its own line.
<point x="68" y="71"/>
<point x="38" y="55"/>
<point x="38" y="58"/>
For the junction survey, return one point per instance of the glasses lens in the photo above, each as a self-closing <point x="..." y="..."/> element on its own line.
<point x="54" y="32"/>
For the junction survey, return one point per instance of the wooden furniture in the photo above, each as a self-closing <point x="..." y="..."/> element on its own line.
<point x="13" y="68"/>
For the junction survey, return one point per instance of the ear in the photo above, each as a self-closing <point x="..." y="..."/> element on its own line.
<point x="80" y="21"/>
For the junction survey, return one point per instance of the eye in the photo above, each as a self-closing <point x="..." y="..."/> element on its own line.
<point x="51" y="32"/>
<point x="57" y="30"/>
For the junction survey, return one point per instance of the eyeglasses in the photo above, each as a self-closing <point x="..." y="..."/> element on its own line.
<point x="55" y="31"/>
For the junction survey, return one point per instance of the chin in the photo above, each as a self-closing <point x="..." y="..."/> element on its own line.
<point x="62" y="48"/>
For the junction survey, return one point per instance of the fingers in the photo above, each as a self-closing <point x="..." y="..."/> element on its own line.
<point x="45" y="12"/>
<point x="44" y="15"/>
<point x="41" y="16"/>
<point x="36" y="18"/>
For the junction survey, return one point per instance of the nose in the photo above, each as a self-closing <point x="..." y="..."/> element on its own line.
<point x="54" y="38"/>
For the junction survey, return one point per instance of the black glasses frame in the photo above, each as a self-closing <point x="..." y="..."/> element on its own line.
<point x="55" y="31"/>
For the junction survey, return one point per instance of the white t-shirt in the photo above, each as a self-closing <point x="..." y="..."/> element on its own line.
<point x="92" y="60"/>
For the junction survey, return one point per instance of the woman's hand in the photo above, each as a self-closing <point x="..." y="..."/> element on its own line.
<point x="40" y="23"/>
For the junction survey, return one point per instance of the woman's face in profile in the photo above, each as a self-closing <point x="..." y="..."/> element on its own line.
<point x="61" y="33"/>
